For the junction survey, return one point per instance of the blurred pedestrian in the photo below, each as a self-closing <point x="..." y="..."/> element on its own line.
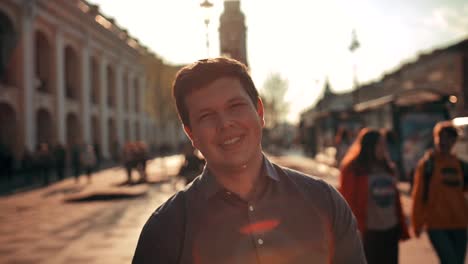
<point x="129" y="159"/>
<point x="6" y="162"/>
<point x="243" y="208"/>
<point x="28" y="165"/>
<point x="43" y="161"/>
<point x="75" y="161"/>
<point x="343" y="141"/>
<point x="88" y="160"/>
<point x="59" y="159"/>
<point x="368" y="183"/>
<point x="439" y="205"/>
<point x="192" y="166"/>
<point x="141" y="157"/>
<point x="97" y="152"/>
<point x="392" y="145"/>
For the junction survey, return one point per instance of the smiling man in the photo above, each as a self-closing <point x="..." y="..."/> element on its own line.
<point x="242" y="208"/>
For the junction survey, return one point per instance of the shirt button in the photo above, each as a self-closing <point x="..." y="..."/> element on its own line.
<point x="260" y="241"/>
<point x="251" y="208"/>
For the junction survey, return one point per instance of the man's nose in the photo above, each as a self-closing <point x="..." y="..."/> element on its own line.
<point x="224" y="120"/>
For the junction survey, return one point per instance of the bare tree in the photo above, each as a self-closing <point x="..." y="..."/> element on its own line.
<point x="276" y="108"/>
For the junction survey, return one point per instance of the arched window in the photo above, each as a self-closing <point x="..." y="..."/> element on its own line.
<point x="72" y="74"/>
<point x="8" y="39"/>
<point x="43" y="59"/>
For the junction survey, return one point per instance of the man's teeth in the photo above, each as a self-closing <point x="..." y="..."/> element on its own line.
<point x="231" y="141"/>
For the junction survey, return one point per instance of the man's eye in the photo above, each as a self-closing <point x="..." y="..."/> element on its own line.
<point x="237" y="105"/>
<point x="204" y="116"/>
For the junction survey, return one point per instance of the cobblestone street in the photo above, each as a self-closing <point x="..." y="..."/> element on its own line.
<point x="39" y="227"/>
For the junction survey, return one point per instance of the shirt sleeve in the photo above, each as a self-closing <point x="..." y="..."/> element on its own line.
<point x="162" y="236"/>
<point x="347" y="243"/>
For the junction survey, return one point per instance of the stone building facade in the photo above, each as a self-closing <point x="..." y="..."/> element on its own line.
<point x="70" y="75"/>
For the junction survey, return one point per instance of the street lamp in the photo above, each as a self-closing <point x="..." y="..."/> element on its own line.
<point x="353" y="47"/>
<point x="206" y="7"/>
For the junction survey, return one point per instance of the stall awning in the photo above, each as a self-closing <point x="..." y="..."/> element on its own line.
<point x="403" y="98"/>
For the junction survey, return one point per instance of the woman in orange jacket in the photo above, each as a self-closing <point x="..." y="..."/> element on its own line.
<point x="368" y="184"/>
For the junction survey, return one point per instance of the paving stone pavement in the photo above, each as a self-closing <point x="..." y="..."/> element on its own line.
<point x="39" y="227"/>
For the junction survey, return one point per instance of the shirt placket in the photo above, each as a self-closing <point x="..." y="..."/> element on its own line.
<point x="257" y="236"/>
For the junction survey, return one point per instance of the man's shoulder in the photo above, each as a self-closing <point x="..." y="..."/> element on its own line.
<point x="175" y="206"/>
<point x="172" y="208"/>
<point x="309" y="184"/>
<point x="168" y="220"/>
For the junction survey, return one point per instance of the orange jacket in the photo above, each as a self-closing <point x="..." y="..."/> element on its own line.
<point x="355" y="190"/>
<point x="446" y="206"/>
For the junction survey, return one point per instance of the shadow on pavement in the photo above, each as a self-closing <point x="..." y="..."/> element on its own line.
<point x="65" y="190"/>
<point x="135" y="183"/>
<point x="108" y="194"/>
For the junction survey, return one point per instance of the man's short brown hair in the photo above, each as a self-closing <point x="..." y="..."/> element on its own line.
<point x="203" y="72"/>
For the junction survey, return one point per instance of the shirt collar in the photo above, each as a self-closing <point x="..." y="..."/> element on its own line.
<point x="210" y="185"/>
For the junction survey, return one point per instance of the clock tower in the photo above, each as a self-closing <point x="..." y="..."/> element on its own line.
<point x="232" y="32"/>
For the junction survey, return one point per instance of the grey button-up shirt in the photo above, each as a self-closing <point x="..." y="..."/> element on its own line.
<point x="290" y="218"/>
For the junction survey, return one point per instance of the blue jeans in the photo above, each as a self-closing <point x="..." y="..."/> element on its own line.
<point x="449" y="244"/>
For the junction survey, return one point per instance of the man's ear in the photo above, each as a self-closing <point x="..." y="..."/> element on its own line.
<point x="260" y="110"/>
<point x="188" y="132"/>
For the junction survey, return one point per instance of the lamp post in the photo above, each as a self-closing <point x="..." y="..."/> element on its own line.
<point x="353" y="47"/>
<point x="206" y="7"/>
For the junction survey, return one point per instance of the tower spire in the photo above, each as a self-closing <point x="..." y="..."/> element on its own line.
<point x="232" y="32"/>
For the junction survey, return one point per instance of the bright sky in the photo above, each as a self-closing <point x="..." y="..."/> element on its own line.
<point x="303" y="40"/>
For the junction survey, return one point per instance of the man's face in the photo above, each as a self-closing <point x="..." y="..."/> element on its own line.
<point x="225" y="125"/>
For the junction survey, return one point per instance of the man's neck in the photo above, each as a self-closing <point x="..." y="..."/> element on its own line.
<point x="240" y="180"/>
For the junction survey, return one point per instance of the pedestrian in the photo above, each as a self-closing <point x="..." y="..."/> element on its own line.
<point x="192" y="166"/>
<point x="6" y="162"/>
<point x="59" y="159"/>
<point x="128" y="160"/>
<point x="392" y="145"/>
<point x="141" y="157"/>
<point x="27" y="165"/>
<point x="342" y="142"/>
<point x="88" y="160"/>
<point x="368" y="183"/>
<point x="439" y="205"/>
<point x="98" y="153"/>
<point x="75" y="161"/>
<point x="43" y="161"/>
<point x="243" y="208"/>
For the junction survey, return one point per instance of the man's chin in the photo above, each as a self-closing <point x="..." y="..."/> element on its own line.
<point x="229" y="166"/>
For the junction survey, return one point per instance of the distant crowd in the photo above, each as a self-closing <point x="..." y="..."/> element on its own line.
<point x="48" y="163"/>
